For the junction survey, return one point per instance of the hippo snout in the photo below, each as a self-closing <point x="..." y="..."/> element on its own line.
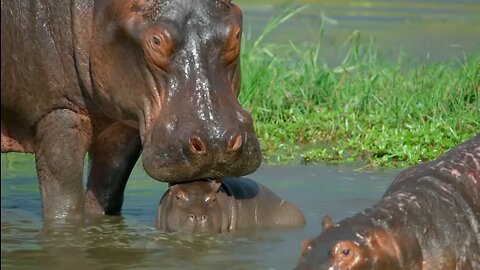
<point x="199" y="146"/>
<point x="182" y="151"/>
<point x="199" y="222"/>
<point x="198" y="218"/>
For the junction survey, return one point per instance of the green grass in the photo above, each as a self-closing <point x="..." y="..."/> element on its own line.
<point x="384" y="111"/>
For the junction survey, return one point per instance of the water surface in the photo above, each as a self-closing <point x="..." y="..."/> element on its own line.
<point x="131" y="241"/>
<point x="427" y="30"/>
<point x="433" y="30"/>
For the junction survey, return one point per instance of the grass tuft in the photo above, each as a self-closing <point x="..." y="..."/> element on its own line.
<point x="372" y="108"/>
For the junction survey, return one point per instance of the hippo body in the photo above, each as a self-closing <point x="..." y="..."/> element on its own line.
<point x="429" y="218"/>
<point x="115" y="78"/>
<point x="232" y="204"/>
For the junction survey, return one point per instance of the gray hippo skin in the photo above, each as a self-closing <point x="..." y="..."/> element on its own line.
<point x="226" y="205"/>
<point x="429" y="218"/>
<point x="117" y="77"/>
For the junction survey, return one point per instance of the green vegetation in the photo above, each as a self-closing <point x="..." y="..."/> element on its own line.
<point x="388" y="112"/>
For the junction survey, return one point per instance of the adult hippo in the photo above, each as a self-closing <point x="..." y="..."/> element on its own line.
<point x="226" y="205"/>
<point x="429" y="218"/>
<point x="117" y="77"/>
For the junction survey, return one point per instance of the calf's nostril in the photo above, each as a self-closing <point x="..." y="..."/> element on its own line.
<point x="196" y="145"/>
<point x="191" y="217"/>
<point x="235" y="142"/>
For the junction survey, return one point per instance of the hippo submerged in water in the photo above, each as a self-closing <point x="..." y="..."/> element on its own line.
<point x="117" y="77"/>
<point x="232" y="204"/>
<point x="429" y="218"/>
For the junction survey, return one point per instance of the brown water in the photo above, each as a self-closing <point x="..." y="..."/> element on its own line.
<point x="131" y="241"/>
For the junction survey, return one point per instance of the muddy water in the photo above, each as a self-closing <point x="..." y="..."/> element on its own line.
<point x="426" y="30"/>
<point x="131" y="241"/>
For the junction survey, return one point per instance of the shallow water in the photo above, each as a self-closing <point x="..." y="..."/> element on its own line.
<point x="131" y="241"/>
<point x="431" y="30"/>
<point x="426" y="30"/>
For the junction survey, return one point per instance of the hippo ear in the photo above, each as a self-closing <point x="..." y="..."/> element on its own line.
<point x="137" y="20"/>
<point x="127" y="14"/>
<point x="327" y="222"/>
<point x="305" y="246"/>
<point x="172" y="188"/>
<point x="215" y="184"/>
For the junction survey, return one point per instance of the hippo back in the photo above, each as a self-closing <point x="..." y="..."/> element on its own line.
<point x="256" y="206"/>
<point x="429" y="218"/>
<point x="458" y="170"/>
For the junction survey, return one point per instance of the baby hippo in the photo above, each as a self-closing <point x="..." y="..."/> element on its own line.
<point x="224" y="205"/>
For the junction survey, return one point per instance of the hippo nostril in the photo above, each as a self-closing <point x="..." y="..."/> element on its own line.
<point x="197" y="146"/>
<point x="191" y="217"/>
<point x="235" y="142"/>
<point x="204" y="217"/>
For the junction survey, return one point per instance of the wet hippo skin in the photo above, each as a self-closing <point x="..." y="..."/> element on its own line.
<point x="115" y="78"/>
<point x="429" y="218"/>
<point x="226" y="205"/>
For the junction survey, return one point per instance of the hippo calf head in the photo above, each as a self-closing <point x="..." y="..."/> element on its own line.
<point x="352" y="245"/>
<point x="171" y="68"/>
<point x="191" y="207"/>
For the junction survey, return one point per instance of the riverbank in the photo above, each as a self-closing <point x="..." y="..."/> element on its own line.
<point x="383" y="110"/>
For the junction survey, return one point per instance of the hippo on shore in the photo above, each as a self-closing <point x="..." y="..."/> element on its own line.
<point x="115" y="78"/>
<point x="429" y="218"/>
<point x="226" y="205"/>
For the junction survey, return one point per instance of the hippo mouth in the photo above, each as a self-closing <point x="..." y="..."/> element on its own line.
<point x="206" y="179"/>
<point x="194" y="161"/>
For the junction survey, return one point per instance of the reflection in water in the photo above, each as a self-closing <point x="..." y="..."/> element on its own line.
<point x="426" y="30"/>
<point x="131" y="241"/>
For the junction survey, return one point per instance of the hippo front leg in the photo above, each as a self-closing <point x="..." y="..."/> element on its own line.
<point x="61" y="142"/>
<point x="113" y="155"/>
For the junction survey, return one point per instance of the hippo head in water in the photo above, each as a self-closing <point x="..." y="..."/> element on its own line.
<point x="171" y="68"/>
<point x="192" y="207"/>
<point x="355" y="244"/>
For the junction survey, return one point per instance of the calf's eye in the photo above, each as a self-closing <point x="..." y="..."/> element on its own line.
<point x="156" y="40"/>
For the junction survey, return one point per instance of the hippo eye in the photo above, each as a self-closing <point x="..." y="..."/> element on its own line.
<point x="211" y="199"/>
<point x="238" y="35"/>
<point x="181" y="198"/>
<point x="343" y="249"/>
<point x="158" y="46"/>
<point x="156" y="40"/>
<point x="232" y="46"/>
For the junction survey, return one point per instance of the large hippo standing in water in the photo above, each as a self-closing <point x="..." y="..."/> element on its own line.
<point x="117" y="77"/>
<point x="226" y="205"/>
<point x="429" y="218"/>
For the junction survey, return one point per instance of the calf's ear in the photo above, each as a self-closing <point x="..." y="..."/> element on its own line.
<point x="305" y="246"/>
<point x="327" y="222"/>
<point x="215" y="184"/>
